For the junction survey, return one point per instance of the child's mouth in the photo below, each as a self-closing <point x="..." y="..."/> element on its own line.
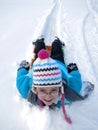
<point x="47" y="100"/>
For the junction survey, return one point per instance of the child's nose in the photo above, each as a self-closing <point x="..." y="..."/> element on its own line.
<point x="48" y="96"/>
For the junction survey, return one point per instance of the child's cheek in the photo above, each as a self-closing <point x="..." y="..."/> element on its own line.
<point x="40" y="97"/>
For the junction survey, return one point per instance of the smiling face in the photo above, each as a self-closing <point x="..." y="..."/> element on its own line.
<point x="48" y="95"/>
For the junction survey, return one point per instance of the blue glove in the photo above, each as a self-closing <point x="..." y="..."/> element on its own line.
<point x="24" y="64"/>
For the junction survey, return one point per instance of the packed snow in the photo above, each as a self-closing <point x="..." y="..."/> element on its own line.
<point x="75" y="23"/>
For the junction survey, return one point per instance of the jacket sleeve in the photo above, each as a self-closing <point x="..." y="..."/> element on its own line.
<point x="73" y="78"/>
<point x="75" y="81"/>
<point x="23" y="82"/>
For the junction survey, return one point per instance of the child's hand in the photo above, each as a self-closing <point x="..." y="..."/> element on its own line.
<point x="24" y="64"/>
<point x="71" y="67"/>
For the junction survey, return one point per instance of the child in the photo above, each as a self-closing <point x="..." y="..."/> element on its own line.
<point x="49" y="81"/>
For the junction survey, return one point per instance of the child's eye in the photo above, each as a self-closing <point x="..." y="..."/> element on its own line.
<point x="54" y="90"/>
<point x="42" y="90"/>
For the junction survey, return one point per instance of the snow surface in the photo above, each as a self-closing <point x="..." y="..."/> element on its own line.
<point x="76" y="23"/>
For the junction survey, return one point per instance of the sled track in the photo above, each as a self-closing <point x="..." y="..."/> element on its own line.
<point x="86" y="46"/>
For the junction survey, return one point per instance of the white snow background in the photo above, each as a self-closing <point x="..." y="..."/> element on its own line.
<point x="21" y="22"/>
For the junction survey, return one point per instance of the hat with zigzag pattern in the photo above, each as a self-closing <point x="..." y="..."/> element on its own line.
<point x="46" y="72"/>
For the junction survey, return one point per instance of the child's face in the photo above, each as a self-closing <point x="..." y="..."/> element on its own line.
<point x="48" y="95"/>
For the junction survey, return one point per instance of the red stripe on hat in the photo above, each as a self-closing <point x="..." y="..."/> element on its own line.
<point x="52" y="74"/>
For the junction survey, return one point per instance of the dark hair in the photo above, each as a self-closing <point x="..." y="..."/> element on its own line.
<point x="32" y="98"/>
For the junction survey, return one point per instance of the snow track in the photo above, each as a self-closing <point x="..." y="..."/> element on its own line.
<point x="90" y="33"/>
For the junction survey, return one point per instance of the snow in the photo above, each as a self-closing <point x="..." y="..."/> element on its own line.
<point x="76" y="23"/>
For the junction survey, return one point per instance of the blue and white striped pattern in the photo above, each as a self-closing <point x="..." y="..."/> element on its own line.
<point x="46" y="73"/>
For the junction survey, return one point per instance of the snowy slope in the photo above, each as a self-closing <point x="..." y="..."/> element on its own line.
<point x="76" y="23"/>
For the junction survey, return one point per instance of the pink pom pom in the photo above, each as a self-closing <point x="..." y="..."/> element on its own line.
<point x="43" y="54"/>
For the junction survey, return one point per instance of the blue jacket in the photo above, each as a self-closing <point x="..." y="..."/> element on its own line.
<point x="24" y="79"/>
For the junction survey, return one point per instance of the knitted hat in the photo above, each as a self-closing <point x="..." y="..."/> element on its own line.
<point x="46" y="72"/>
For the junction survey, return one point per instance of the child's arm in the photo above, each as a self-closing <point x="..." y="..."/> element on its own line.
<point x="23" y="79"/>
<point x="75" y="81"/>
<point x="73" y="78"/>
